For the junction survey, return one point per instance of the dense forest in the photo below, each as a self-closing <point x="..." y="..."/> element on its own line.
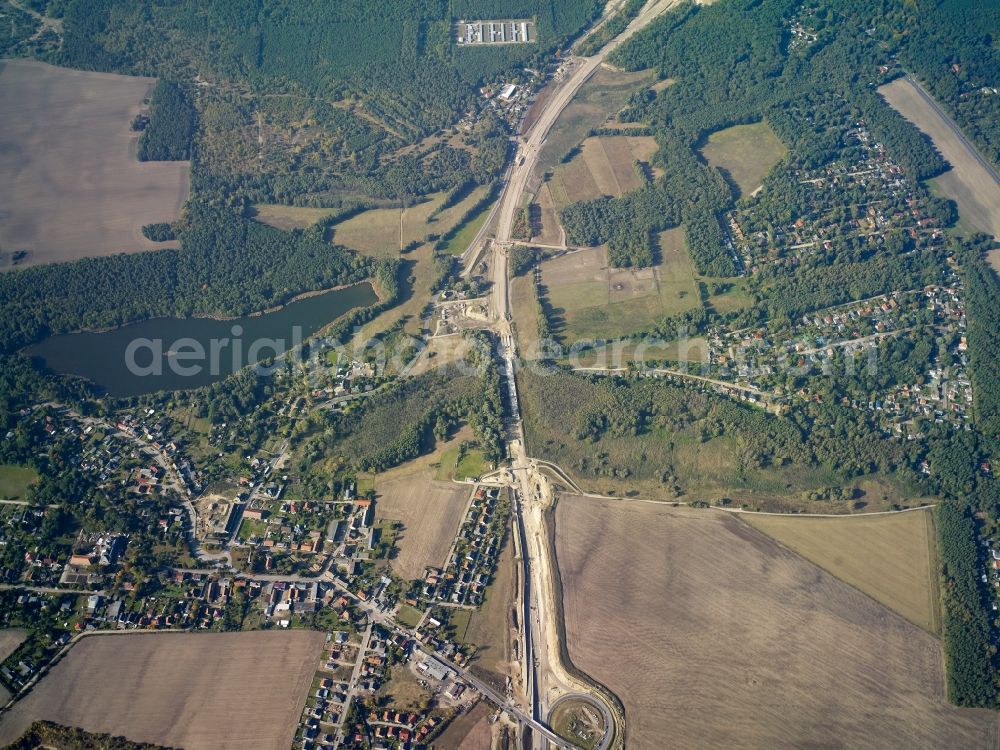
<point x="340" y="89"/>
<point x="167" y="136"/>
<point x="968" y="650"/>
<point x="226" y="265"/>
<point x="982" y="293"/>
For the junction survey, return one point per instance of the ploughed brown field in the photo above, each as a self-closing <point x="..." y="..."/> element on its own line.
<point x="10" y="639"/>
<point x="430" y="510"/>
<point x="969" y="183"/>
<point x="199" y="691"/>
<point x="470" y="731"/>
<point x="70" y="184"/>
<point x="713" y="635"/>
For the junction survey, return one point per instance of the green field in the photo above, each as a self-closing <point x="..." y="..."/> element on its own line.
<point x="471" y="466"/>
<point x="744" y="154"/>
<point x="591" y="300"/>
<point x="251" y="527"/>
<point x="383" y="232"/>
<point x="366" y="484"/>
<point x="14" y="481"/>
<point x="287" y="218"/>
<point x="461" y="240"/>
<point x="408" y="616"/>
<point x="733" y="296"/>
<point x="600" y="98"/>
<point x="891" y="558"/>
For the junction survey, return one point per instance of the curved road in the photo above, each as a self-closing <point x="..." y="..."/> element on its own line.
<point x="599" y="705"/>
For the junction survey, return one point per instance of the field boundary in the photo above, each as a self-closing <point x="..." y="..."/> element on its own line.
<point x="934" y="572"/>
<point x="618" y="708"/>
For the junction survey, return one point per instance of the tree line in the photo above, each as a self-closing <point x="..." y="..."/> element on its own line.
<point x="227" y="265"/>
<point x="970" y="654"/>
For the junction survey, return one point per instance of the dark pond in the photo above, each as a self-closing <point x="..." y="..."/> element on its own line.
<point x="169" y="354"/>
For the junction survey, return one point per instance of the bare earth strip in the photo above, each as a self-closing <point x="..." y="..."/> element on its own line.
<point x="70" y="185"/>
<point x="713" y="635"/>
<point x="969" y="182"/>
<point x="199" y="691"/>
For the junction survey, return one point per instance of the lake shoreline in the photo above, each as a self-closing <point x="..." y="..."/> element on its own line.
<point x="216" y="345"/>
<point x="215" y="316"/>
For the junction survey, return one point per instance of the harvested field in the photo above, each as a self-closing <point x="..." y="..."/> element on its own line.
<point x="287" y="218"/>
<point x="70" y="184"/>
<point x="190" y="690"/>
<point x="383" y="232"/>
<point x="603" y="166"/>
<point x="744" y="154"/>
<point x="970" y="181"/>
<point x="430" y="511"/>
<point x="574" y="182"/>
<point x="592" y="300"/>
<point x="891" y="558"/>
<point x="470" y="731"/>
<point x="734" y="641"/>
<point x="10" y="639"/>
<point x="548" y="231"/>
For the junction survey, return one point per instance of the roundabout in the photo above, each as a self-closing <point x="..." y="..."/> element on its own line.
<point x="583" y="720"/>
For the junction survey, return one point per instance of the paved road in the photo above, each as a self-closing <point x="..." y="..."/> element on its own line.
<point x="546" y="677"/>
<point x="352" y="688"/>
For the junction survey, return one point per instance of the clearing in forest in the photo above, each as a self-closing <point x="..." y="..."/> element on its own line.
<point x="591" y="300"/>
<point x="287" y="218"/>
<point x="383" y="232"/>
<point x="604" y="165"/>
<point x="744" y="154"/>
<point x="15" y="480"/>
